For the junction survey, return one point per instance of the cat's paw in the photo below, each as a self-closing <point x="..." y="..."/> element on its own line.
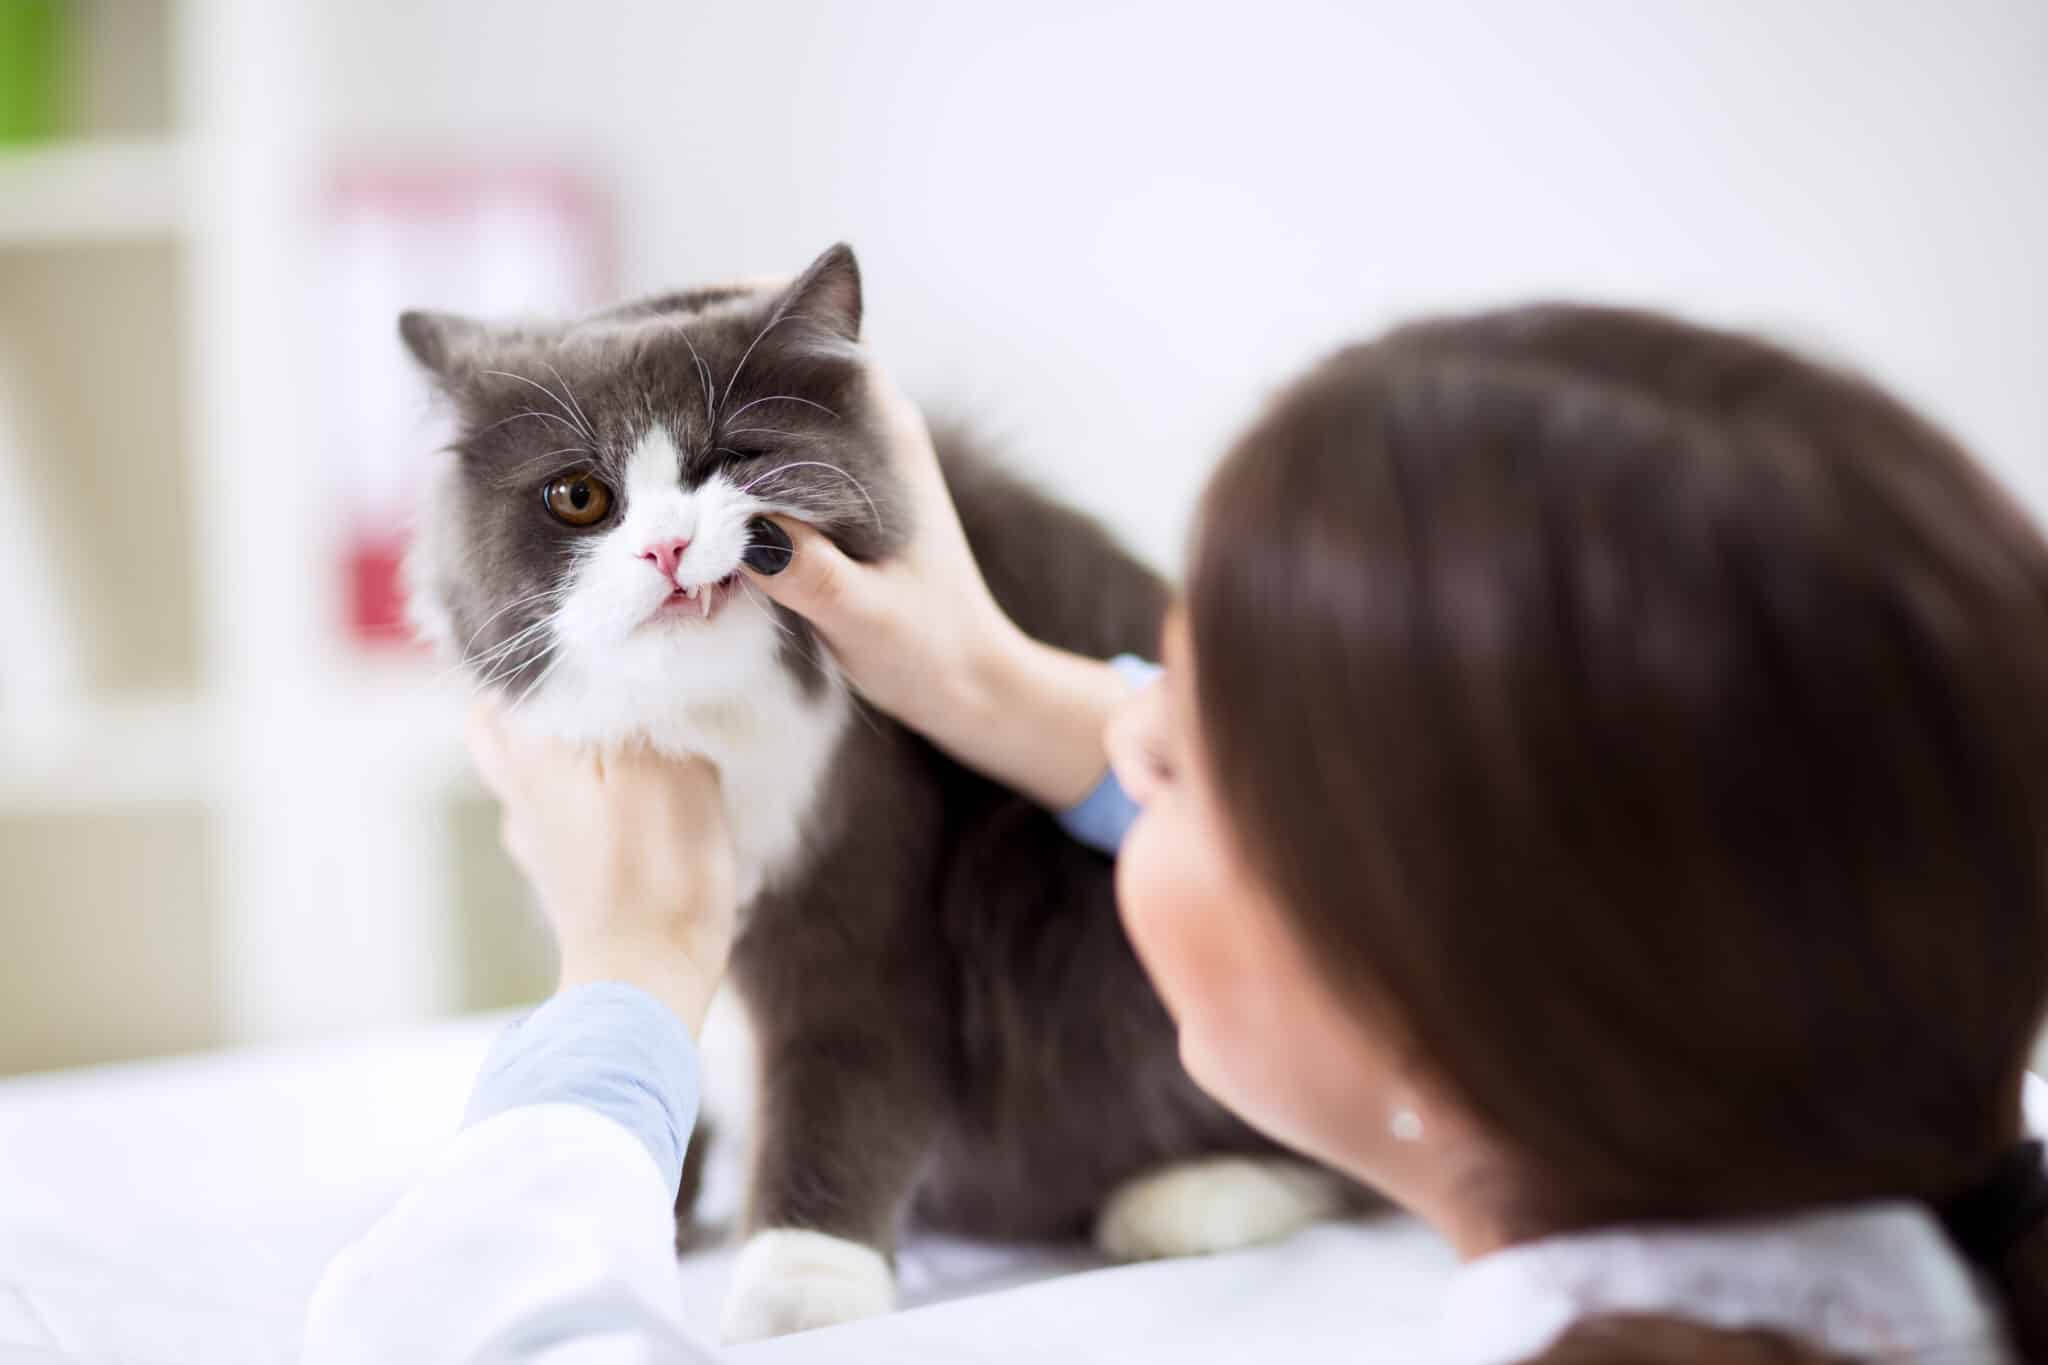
<point x="791" y="1280"/>
<point x="1214" y="1204"/>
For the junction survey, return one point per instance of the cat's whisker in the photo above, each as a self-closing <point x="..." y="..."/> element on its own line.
<point x="516" y="475"/>
<point x="708" y="384"/>
<point x="747" y="355"/>
<point x="513" y="641"/>
<point x="507" y="667"/>
<point x="486" y="664"/>
<point x="473" y="666"/>
<point x="515" y="602"/>
<point x="767" y="607"/>
<point x="511" y="645"/>
<point x="703" y="378"/>
<point x="785" y="398"/>
<point x="808" y="655"/>
<point x="570" y="394"/>
<point x="541" y="596"/>
<point x="513" y="668"/>
<point x="531" y="412"/>
<point x="552" y="397"/>
<point x="873" y="511"/>
<point x="526" y="693"/>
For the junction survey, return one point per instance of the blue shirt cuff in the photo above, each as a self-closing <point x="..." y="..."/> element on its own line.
<point x="1102" y="817"/>
<point x="606" y="1046"/>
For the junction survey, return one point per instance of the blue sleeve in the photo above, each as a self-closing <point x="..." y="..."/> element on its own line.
<point x="1102" y="817"/>
<point x="609" y="1047"/>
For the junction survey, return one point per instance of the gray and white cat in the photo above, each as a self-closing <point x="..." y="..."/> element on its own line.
<point x="951" y="1026"/>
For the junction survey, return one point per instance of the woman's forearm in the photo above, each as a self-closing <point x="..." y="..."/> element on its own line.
<point x="1031" y="717"/>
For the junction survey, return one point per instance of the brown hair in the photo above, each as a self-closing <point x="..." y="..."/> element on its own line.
<point x="1653" y="725"/>
<point x="1635" y="1340"/>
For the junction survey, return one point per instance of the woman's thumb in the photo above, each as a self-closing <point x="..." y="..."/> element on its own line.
<point x="799" y="567"/>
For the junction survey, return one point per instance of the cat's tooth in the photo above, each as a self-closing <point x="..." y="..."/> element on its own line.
<point x="706" y="600"/>
<point x="691" y="592"/>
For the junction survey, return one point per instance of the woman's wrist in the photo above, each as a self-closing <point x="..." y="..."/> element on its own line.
<point x="672" y="977"/>
<point x="678" y="955"/>
<point x="1031" y="716"/>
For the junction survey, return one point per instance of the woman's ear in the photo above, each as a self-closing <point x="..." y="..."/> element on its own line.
<point x="825" y="300"/>
<point x="446" y="344"/>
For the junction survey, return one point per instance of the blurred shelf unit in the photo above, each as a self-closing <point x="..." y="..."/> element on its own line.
<point x="203" y="753"/>
<point x="107" y="189"/>
<point x="103" y="636"/>
<point x="126" y="750"/>
<point x="112" y="947"/>
<point x="147" y="258"/>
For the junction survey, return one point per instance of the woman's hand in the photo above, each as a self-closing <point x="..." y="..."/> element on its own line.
<point x="628" y="853"/>
<point x="921" y="637"/>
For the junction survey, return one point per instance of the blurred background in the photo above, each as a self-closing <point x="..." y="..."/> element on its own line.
<point x="233" y="804"/>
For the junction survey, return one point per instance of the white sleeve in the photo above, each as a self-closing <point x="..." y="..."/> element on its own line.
<point x="543" y="1234"/>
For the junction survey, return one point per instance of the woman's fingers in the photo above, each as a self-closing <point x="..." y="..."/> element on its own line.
<point x="815" y="579"/>
<point x="509" y="760"/>
<point x="1135" y="741"/>
<point x="903" y="427"/>
<point x="484" y="732"/>
<point x="491" y="748"/>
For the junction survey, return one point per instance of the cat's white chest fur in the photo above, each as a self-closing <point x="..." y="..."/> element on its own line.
<point x="773" y="753"/>
<point x="772" y="744"/>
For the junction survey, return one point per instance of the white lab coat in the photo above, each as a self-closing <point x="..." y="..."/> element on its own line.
<point x="543" y="1235"/>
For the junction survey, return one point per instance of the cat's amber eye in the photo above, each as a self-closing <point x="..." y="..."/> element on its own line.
<point x="578" y="500"/>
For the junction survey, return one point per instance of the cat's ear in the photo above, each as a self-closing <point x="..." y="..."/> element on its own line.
<point x="447" y="345"/>
<point x="825" y="299"/>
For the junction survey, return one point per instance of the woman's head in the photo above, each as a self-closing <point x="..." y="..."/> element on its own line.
<point x="1637" y="736"/>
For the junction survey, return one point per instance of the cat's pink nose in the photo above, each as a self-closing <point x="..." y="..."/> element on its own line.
<point x="665" y="555"/>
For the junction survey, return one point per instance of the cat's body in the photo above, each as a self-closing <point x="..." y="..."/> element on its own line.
<point x="949" y="1021"/>
<point x="1023" y="1065"/>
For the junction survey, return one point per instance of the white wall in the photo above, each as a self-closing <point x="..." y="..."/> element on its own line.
<point x="1111" y="227"/>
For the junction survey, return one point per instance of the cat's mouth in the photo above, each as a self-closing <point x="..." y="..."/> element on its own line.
<point x="699" y="602"/>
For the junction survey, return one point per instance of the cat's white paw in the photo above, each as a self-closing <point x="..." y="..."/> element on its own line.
<point x="1214" y="1204"/>
<point x="791" y="1280"/>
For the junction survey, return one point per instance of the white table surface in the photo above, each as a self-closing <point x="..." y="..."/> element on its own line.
<point x="179" y="1212"/>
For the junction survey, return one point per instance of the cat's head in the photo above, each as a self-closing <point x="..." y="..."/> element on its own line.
<point x="580" y="542"/>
